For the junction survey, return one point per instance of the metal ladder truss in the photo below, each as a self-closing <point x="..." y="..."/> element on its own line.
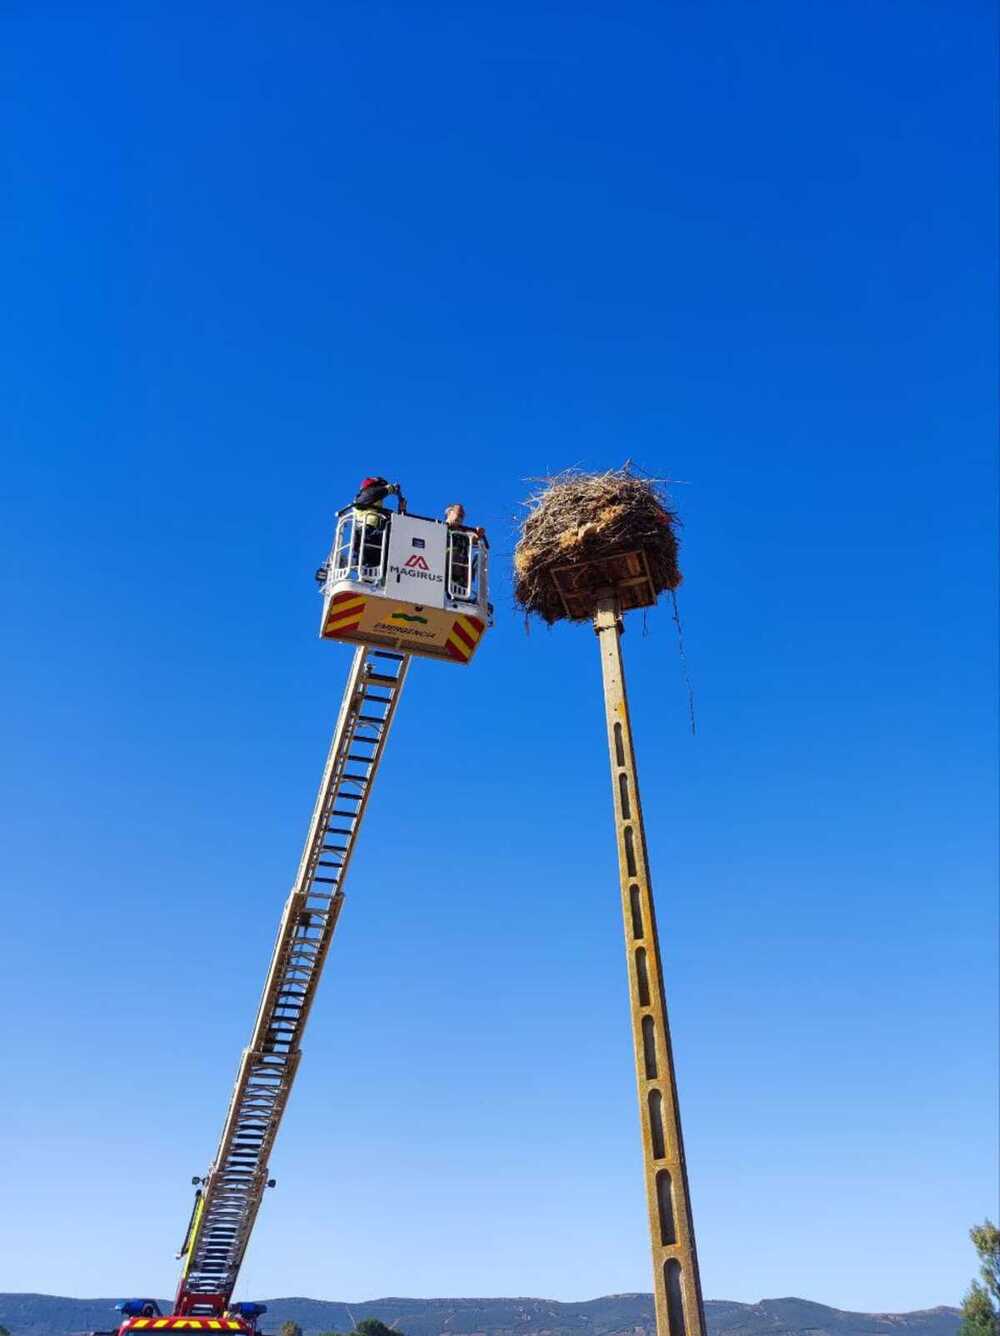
<point x="227" y="1207"/>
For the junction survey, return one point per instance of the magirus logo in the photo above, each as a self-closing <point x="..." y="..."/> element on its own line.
<point x="416" y="568"/>
<point x="406" y="617"/>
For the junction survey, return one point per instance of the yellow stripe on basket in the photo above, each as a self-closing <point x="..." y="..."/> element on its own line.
<point x="473" y="628"/>
<point x="349" y="618"/>
<point x="462" y="651"/>
<point x="355" y="605"/>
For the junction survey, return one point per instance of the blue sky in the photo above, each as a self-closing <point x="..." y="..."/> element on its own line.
<point x="253" y="255"/>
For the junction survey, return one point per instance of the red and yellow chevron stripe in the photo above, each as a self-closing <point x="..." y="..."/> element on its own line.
<point x="346" y="611"/>
<point x="186" y="1324"/>
<point x="464" y="637"/>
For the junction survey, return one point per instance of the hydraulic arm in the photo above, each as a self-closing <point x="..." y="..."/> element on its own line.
<point x="229" y="1196"/>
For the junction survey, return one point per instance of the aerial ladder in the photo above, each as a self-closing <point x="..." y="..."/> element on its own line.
<point x="396" y="586"/>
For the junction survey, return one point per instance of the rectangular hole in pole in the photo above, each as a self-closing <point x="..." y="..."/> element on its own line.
<point x="636" y="903"/>
<point x="665" y="1202"/>
<point x="629" y="851"/>
<point x="623" y="797"/>
<point x="642" y="976"/>
<point x="619" y="745"/>
<point x="675" y="1297"/>
<point x="655" y="1103"/>
<point x="649" y="1047"/>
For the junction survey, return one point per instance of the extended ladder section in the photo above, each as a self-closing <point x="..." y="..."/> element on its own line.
<point x="227" y="1206"/>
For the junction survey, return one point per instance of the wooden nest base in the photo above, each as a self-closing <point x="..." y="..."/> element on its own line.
<point x="588" y="533"/>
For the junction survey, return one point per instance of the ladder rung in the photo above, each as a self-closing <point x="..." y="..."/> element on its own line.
<point x="386" y="654"/>
<point x="329" y="881"/>
<point x="382" y="680"/>
<point x="370" y="719"/>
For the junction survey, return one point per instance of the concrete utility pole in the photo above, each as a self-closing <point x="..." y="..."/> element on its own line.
<point x="676" y="1282"/>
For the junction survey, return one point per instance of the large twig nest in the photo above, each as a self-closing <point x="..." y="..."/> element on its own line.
<point x="578" y="530"/>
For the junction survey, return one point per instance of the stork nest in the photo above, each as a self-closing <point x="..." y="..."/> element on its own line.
<point x="581" y="520"/>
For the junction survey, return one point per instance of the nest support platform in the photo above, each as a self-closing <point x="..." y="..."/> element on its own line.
<point x="626" y="575"/>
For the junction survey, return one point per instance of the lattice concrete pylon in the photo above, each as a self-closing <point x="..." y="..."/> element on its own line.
<point x="676" y="1281"/>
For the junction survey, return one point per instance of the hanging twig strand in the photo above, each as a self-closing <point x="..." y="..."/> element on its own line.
<point x="684" y="662"/>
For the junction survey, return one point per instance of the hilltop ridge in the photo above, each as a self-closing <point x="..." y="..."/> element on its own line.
<point x="609" y="1315"/>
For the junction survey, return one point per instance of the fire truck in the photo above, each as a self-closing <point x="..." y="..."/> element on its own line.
<point x="396" y="586"/>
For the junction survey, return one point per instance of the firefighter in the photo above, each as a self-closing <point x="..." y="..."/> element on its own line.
<point x="370" y="519"/>
<point x="454" y="517"/>
<point x="462" y="578"/>
<point x="373" y="492"/>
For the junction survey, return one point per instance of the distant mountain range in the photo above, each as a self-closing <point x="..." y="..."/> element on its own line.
<point x="613" y="1315"/>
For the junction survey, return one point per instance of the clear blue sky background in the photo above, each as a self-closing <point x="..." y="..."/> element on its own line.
<point x="252" y="255"/>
